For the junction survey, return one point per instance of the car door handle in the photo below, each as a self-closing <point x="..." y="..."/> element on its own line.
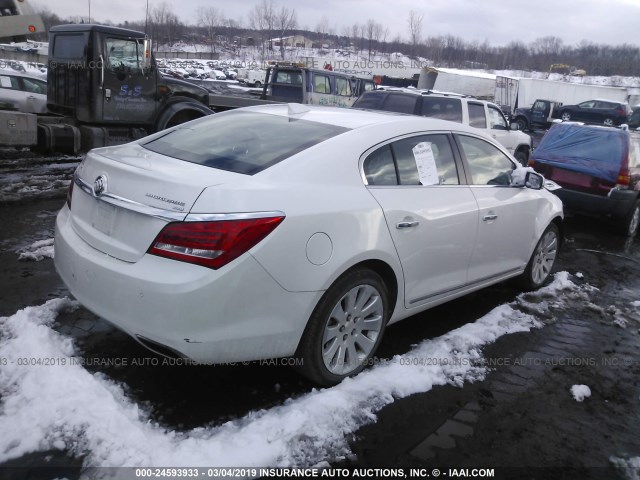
<point x="491" y="216"/>
<point x="407" y="224"/>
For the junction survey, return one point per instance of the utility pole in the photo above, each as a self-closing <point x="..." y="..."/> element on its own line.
<point x="89" y="11"/>
<point x="146" y="18"/>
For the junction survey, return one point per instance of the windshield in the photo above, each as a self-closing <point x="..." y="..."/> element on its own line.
<point x="242" y="141"/>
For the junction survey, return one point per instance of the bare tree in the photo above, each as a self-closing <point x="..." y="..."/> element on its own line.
<point x="415" y="29"/>
<point x="373" y="32"/>
<point x="285" y="21"/>
<point x="262" y="18"/>
<point x="210" y="18"/>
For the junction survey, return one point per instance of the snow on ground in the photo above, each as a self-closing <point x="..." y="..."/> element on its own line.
<point x="580" y="392"/>
<point x="63" y="406"/>
<point x="19" y="183"/>
<point x="37" y="251"/>
<point x="629" y="468"/>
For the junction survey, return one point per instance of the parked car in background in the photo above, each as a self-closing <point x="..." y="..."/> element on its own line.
<point x="606" y="112"/>
<point x="541" y="114"/>
<point x="297" y="230"/>
<point x="470" y="111"/>
<point x="598" y="168"/>
<point x="634" y="118"/>
<point x="23" y="92"/>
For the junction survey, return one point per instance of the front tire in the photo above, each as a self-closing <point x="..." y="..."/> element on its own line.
<point x="345" y="328"/>
<point x="543" y="259"/>
<point x="566" y="117"/>
<point x="608" y="122"/>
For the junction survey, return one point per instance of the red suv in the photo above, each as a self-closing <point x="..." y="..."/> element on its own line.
<point x="598" y="168"/>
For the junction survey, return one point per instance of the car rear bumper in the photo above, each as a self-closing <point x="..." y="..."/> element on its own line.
<point x="617" y="205"/>
<point x="237" y="313"/>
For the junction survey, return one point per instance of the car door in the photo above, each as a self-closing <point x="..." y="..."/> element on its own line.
<point x="36" y="95"/>
<point x="499" y="129"/>
<point x="585" y="112"/>
<point x="11" y="93"/>
<point x="432" y="217"/>
<point x="506" y="214"/>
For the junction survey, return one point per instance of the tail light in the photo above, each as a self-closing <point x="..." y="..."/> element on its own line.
<point x="624" y="177"/>
<point x="531" y="162"/>
<point x="212" y="244"/>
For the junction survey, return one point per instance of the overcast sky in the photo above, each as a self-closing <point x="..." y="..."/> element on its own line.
<point x="610" y="22"/>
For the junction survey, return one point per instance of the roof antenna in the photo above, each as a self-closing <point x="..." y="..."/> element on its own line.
<point x="297" y="109"/>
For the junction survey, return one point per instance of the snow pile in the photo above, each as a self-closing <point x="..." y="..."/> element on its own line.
<point x="629" y="468"/>
<point x="37" y="251"/>
<point x="580" y="392"/>
<point x="63" y="406"/>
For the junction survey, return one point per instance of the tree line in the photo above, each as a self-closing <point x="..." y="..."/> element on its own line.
<point x="267" y="21"/>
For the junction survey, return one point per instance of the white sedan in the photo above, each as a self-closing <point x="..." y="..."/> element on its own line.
<point x="23" y="92"/>
<point x="292" y="230"/>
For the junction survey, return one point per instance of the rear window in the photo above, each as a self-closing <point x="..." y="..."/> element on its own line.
<point x="370" y="101"/>
<point x="69" y="46"/>
<point x="443" y="108"/>
<point x="594" y="151"/>
<point x="242" y="142"/>
<point x="400" y="103"/>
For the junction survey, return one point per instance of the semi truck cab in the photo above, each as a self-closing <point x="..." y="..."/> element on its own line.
<point x="103" y="84"/>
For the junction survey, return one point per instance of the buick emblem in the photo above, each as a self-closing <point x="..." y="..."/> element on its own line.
<point x="100" y="185"/>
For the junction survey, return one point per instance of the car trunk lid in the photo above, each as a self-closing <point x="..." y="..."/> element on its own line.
<point x="129" y="194"/>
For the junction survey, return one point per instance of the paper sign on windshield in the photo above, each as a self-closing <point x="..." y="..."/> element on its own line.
<point x="426" y="162"/>
<point x="5" y="82"/>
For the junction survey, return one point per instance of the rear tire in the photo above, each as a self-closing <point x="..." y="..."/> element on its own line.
<point x="522" y="156"/>
<point x="542" y="259"/>
<point x="631" y="223"/>
<point x="345" y="328"/>
<point x="522" y="123"/>
<point x="566" y="117"/>
<point x="608" y="122"/>
<point x="258" y="84"/>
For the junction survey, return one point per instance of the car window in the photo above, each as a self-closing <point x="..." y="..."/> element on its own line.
<point x="400" y="103"/>
<point x="487" y="164"/>
<point x="124" y="55"/>
<point x="379" y="167"/>
<point x="245" y="142"/>
<point x="477" y="116"/>
<point x="372" y="101"/>
<point x="425" y="160"/>
<point x="294" y="78"/>
<point x="589" y="104"/>
<point x="7" y="81"/>
<point x="443" y="108"/>
<point x="34" y="86"/>
<point x="496" y="119"/>
<point x="321" y="84"/>
<point x="343" y="87"/>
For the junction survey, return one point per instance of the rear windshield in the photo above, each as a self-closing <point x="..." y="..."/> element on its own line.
<point x="594" y="151"/>
<point x="241" y="141"/>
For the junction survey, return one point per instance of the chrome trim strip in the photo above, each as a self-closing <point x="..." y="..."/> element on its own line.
<point x="170" y="215"/>
<point x="465" y="286"/>
<point x="216" y="217"/>
<point x="127" y="204"/>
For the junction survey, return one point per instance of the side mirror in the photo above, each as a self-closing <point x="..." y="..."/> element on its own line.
<point x="514" y="126"/>
<point x="534" y="181"/>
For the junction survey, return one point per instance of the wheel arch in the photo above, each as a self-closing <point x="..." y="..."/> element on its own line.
<point x="177" y="106"/>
